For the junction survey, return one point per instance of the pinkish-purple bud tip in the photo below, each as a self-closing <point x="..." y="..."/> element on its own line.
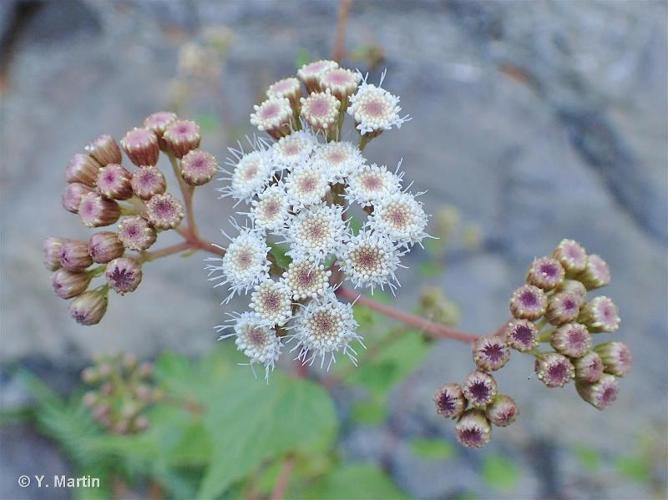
<point x="113" y="181"/>
<point x="490" y="353"/>
<point x="528" y="302"/>
<point x="89" y="307"/>
<point x="545" y="273"/>
<point x="181" y="137"/>
<point x="67" y="284"/>
<point x="616" y="356"/>
<point x="52" y="249"/>
<point x="473" y="429"/>
<point x="503" y="411"/>
<point x="123" y="275"/>
<point x="563" y="307"/>
<point x="572" y="256"/>
<point x="72" y="196"/>
<point x="141" y="146"/>
<point x="600" y="315"/>
<point x="135" y="233"/>
<point x="104" y="150"/>
<point x="147" y="182"/>
<point x="449" y="401"/>
<point x="479" y="389"/>
<point x="320" y="110"/>
<point x="554" y="370"/>
<point x="589" y="367"/>
<point x="600" y="394"/>
<point x="74" y="255"/>
<point x="521" y="335"/>
<point x="572" y="340"/>
<point x="164" y="211"/>
<point x="596" y="274"/>
<point x="83" y="169"/>
<point x="96" y="211"/>
<point x="198" y="167"/>
<point x="104" y="247"/>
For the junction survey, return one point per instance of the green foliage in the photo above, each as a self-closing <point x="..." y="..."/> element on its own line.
<point x="351" y="482"/>
<point x="589" y="458"/>
<point x="372" y="411"/>
<point x="499" y="473"/>
<point x="634" y="468"/>
<point x="280" y="256"/>
<point x="432" y="449"/>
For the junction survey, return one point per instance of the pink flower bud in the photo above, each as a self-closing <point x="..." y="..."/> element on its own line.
<point x="572" y="340"/>
<point x="181" y="137"/>
<point x="288" y="88"/>
<point x="72" y="196"/>
<point x="563" y="307"/>
<point x="342" y="83"/>
<point x="96" y="211"/>
<point x="311" y="72"/>
<point x="503" y="411"/>
<point x="528" y="302"/>
<point x="198" y="167"/>
<point x="616" y="357"/>
<point x="588" y="368"/>
<point x="450" y="401"/>
<point x="135" y="233"/>
<point x="473" y="429"/>
<point x="158" y="123"/>
<point x="67" y="284"/>
<point x="52" y="249"/>
<point x="321" y="111"/>
<point x="141" y="146"/>
<point x="490" y="353"/>
<point x="479" y="389"/>
<point x="273" y="116"/>
<point x="545" y="273"/>
<point x="113" y="181"/>
<point x="572" y="256"/>
<point x="147" y="182"/>
<point x="104" y="247"/>
<point x="573" y="286"/>
<point x="89" y="307"/>
<point x="600" y="315"/>
<point x="74" y="255"/>
<point x="123" y="275"/>
<point x="600" y="394"/>
<point x="164" y="211"/>
<point x="82" y="169"/>
<point x="554" y="370"/>
<point x="521" y="335"/>
<point x="596" y="274"/>
<point x="105" y="150"/>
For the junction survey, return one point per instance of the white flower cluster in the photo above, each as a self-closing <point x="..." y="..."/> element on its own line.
<point x="299" y="243"/>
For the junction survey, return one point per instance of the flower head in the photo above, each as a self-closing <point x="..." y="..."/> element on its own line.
<point x="272" y="302"/>
<point x="158" y="123"/>
<point x="164" y="211"/>
<point x="198" y="167"/>
<point x="244" y="265"/>
<point x="67" y="284"/>
<point x="370" y="260"/>
<point x="310" y="73"/>
<point x="589" y="367"/>
<point x="572" y="256"/>
<point x="83" y="169"/>
<point x="113" y="181"/>
<point x="141" y="146"/>
<point x="306" y="279"/>
<point x="545" y="273"/>
<point x="89" y="307"/>
<point x="123" y="275"/>
<point x="104" y="247"/>
<point x="316" y="232"/>
<point x="596" y="273"/>
<point x="320" y="111"/>
<point x="554" y="370"/>
<point x="600" y="394"/>
<point x="521" y="335"/>
<point x="375" y="109"/>
<point x="323" y="327"/>
<point x="74" y="255"/>
<point x="479" y="389"/>
<point x="104" y="150"/>
<point x="135" y="233"/>
<point x="490" y="353"/>
<point x="370" y="184"/>
<point x="252" y="172"/>
<point x="146" y="182"/>
<point x="401" y="217"/>
<point x="563" y="307"/>
<point x="340" y="158"/>
<point x="307" y="186"/>
<point x="503" y="411"/>
<point x="288" y="88"/>
<point x="573" y="286"/>
<point x="51" y="250"/>
<point x="96" y="211"/>
<point x="270" y="210"/>
<point x="473" y="429"/>
<point x="340" y="82"/>
<point x="72" y="195"/>
<point x="273" y="116"/>
<point x="616" y="357"/>
<point x="449" y="400"/>
<point x="572" y="340"/>
<point x="528" y="302"/>
<point x="181" y="136"/>
<point x="600" y="315"/>
<point x="293" y="150"/>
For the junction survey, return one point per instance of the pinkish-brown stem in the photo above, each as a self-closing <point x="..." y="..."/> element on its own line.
<point x="283" y="480"/>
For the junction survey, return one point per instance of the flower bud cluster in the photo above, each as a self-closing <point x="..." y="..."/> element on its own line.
<point x="104" y="192"/>
<point x="551" y="308"/>
<point x="121" y="392"/>
<point x="300" y="190"/>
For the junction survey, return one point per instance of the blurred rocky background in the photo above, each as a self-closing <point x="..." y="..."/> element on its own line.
<point x="537" y="119"/>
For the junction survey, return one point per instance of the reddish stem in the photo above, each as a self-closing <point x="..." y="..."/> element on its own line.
<point x="339" y="51"/>
<point x="283" y="479"/>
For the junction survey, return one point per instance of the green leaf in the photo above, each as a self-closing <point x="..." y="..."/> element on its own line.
<point x="634" y="468"/>
<point x="250" y="421"/>
<point x="371" y="412"/>
<point x="500" y="473"/>
<point x="432" y="449"/>
<point x="588" y="457"/>
<point x="353" y="482"/>
<point x="280" y="254"/>
<point x="355" y="224"/>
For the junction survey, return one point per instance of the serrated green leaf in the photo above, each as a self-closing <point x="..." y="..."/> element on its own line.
<point x="432" y="449"/>
<point x="634" y="468"/>
<point x="499" y="473"/>
<point x="250" y="422"/>
<point x="353" y="482"/>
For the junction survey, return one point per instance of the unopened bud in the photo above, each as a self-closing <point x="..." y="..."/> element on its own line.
<point x="572" y="340"/>
<point x="596" y="274"/>
<point x="554" y="370"/>
<point x="600" y="394"/>
<point x="616" y="357"/>
<point x="82" y="169"/>
<point x="588" y="368"/>
<point x="181" y="137"/>
<point x="52" y="248"/>
<point x="528" y="302"/>
<point x="310" y="73"/>
<point x="105" y="150"/>
<point x="449" y="400"/>
<point x="68" y="284"/>
<point x="600" y="315"/>
<point x="321" y="111"/>
<point x="572" y="256"/>
<point x="490" y="353"/>
<point x="288" y="88"/>
<point x="89" y="307"/>
<point x="164" y="211"/>
<point x="574" y="287"/>
<point x="545" y="273"/>
<point x="198" y="167"/>
<point x="96" y="211"/>
<point x="563" y="307"/>
<point x="72" y="196"/>
<point x="341" y="82"/>
<point x="503" y="411"/>
<point x="104" y="247"/>
<point x="141" y="146"/>
<point x="135" y="233"/>
<point x="479" y="389"/>
<point x="521" y="335"/>
<point x="113" y="181"/>
<point x="123" y="275"/>
<point x="273" y="116"/>
<point x="158" y="123"/>
<point x="473" y="429"/>
<point x="147" y="182"/>
<point x="74" y="255"/>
